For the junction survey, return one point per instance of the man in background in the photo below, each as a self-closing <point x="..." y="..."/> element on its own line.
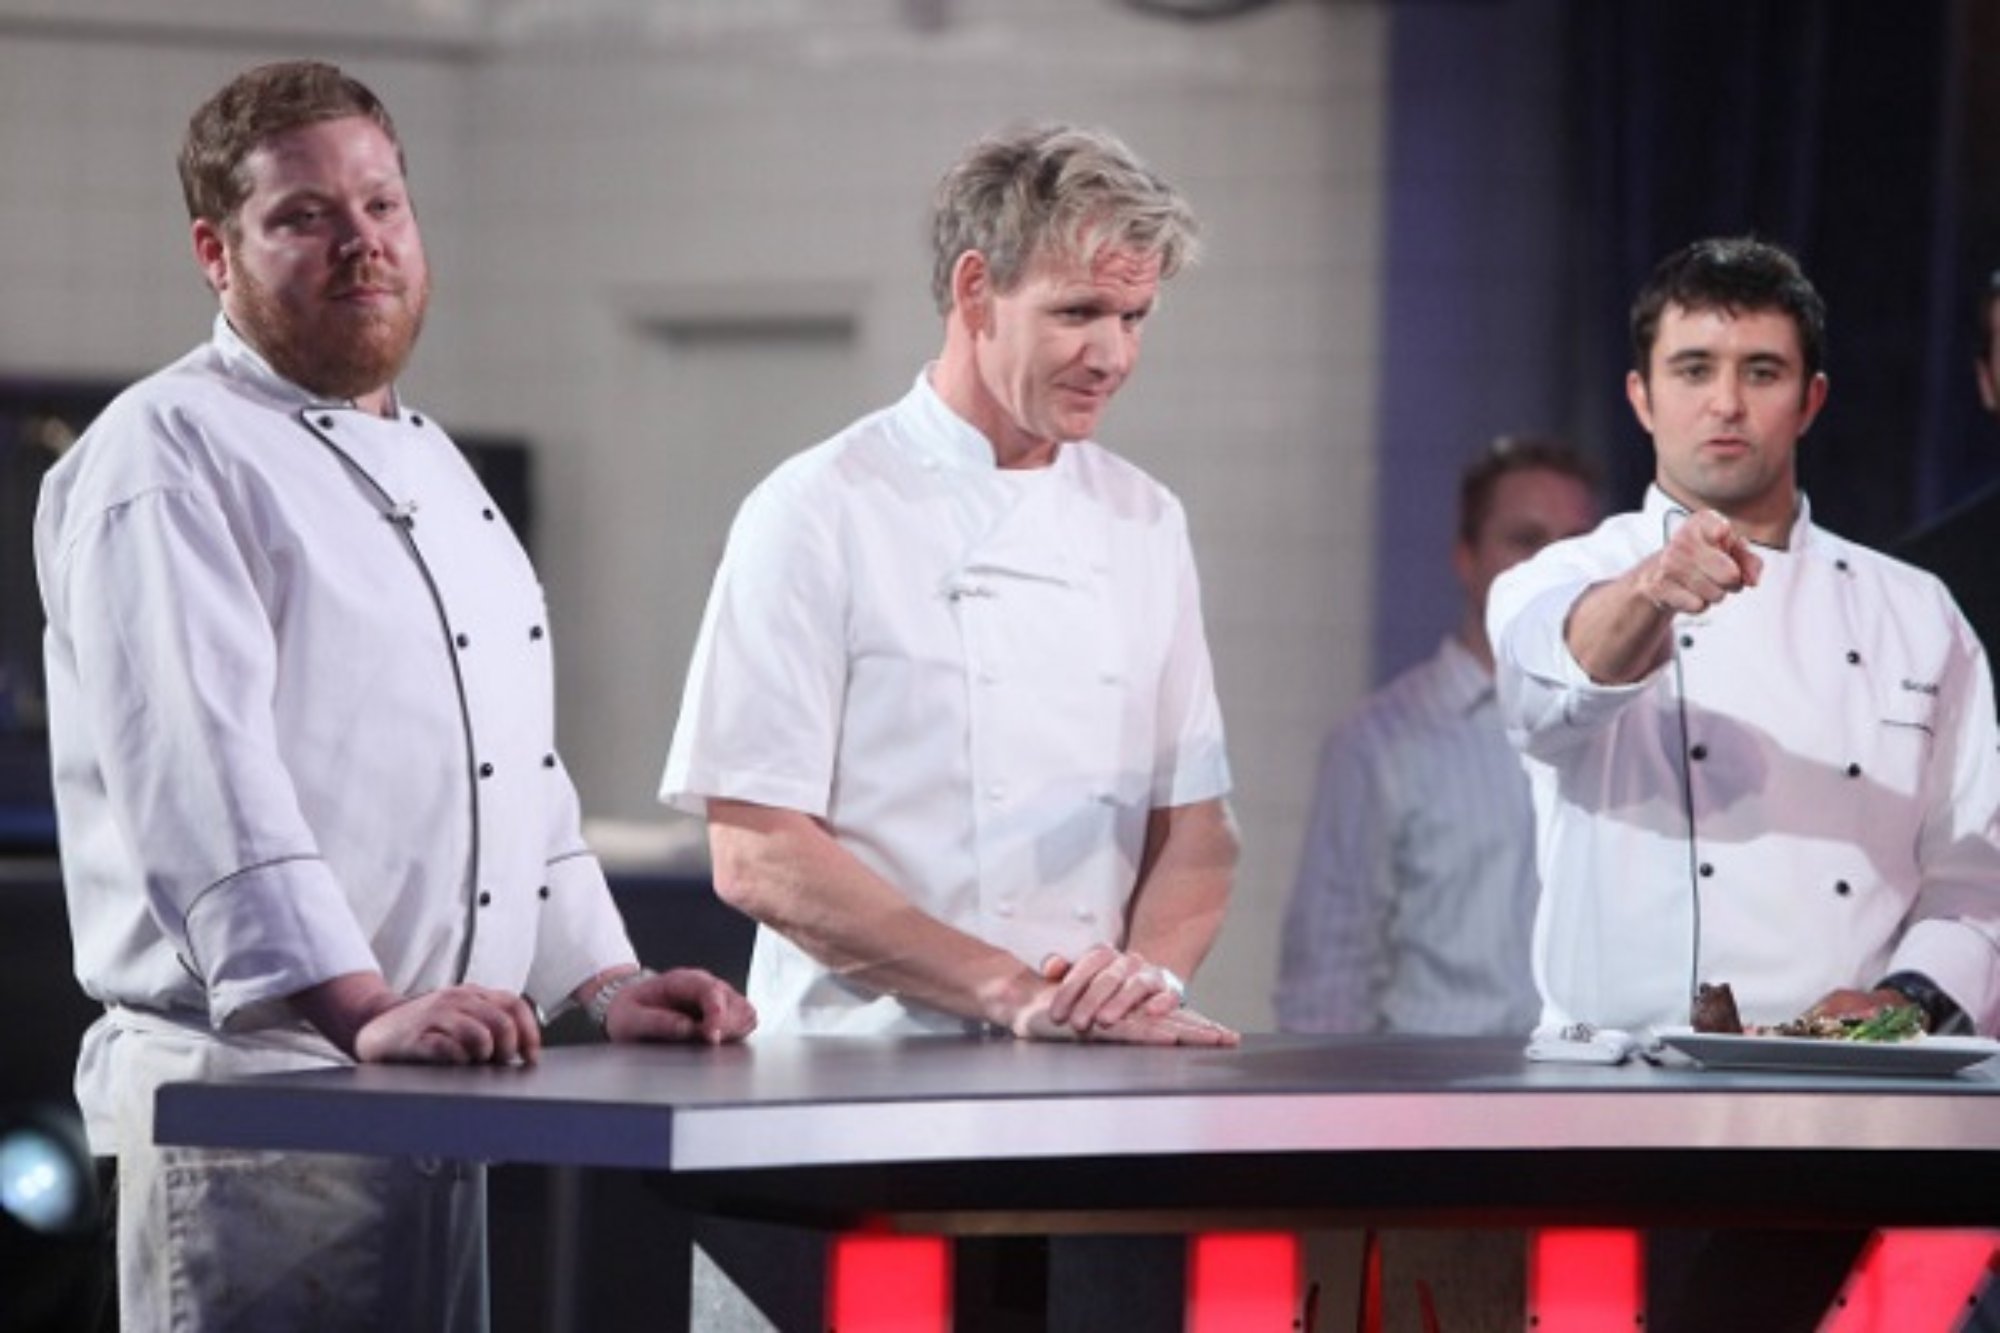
<point x="951" y="716"/>
<point x="1962" y="547"/>
<point x="1415" y="896"/>
<point x="301" y="709"/>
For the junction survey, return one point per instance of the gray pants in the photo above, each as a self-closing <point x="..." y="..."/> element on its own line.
<point x="214" y="1239"/>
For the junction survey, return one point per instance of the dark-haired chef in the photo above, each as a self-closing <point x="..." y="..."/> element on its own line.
<point x="1761" y="754"/>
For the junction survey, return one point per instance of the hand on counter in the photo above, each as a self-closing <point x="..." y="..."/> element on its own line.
<point x="1116" y="996"/>
<point x="1181" y="1027"/>
<point x="455" y="1025"/>
<point x="684" y="1004"/>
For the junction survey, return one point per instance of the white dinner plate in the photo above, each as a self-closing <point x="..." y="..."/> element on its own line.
<point x="1919" y="1056"/>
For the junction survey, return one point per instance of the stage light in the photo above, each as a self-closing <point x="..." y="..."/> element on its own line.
<point x="46" y="1182"/>
<point x="49" y="1219"/>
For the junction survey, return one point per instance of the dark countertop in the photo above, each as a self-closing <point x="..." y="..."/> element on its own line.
<point x="1437" y="1129"/>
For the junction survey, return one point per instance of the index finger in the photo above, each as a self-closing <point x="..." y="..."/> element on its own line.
<point x="726" y="1015"/>
<point x="1182" y="1027"/>
<point x="528" y="1023"/>
<point x="1712" y="528"/>
<point x="1748" y="562"/>
<point x="1717" y="533"/>
<point x="514" y="1031"/>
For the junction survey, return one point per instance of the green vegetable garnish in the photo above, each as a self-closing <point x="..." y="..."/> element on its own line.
<point x="1898" y="1022"/>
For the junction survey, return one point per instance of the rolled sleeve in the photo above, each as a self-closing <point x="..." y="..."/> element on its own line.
<point x="582" y="934"/>
<point x="1547" y="700"/>
<point x="175" y="674"/>
<point x="267" y="932"/>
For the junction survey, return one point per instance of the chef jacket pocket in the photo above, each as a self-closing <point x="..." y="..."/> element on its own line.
<point x="1905" y="735"/>
<point x="1912" y="706"/>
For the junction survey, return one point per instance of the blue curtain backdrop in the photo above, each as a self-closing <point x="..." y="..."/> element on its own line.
<point x="1858" y="135"/>
<point x="1834" y="130"/>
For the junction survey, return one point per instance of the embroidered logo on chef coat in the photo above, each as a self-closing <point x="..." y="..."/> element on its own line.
<point x="1914" y="706"/>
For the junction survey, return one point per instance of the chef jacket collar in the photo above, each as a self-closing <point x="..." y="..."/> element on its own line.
<point x="937" y="433"/>
<point x="1465" y="684"/>
<point x="247" y="363"/>
<point x="1659" y="505"/>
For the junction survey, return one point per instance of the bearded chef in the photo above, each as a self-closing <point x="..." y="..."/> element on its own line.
<point x="300" y="700"/>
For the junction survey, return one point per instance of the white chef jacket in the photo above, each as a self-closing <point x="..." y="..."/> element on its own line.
<point x="1802" y="799"/>
<point x="982" y="680"/>
<point x="301" y="714"/>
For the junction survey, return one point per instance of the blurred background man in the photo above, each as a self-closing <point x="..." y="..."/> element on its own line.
<point x="1962" y="546"/>
<point x="1415" y="897"/>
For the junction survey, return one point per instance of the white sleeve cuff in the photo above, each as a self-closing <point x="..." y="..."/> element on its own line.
<point x="268" y="932"/>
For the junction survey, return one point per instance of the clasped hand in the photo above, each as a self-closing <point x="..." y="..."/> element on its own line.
<point x="1111" y="995"/>
<point x="685" y="1004"/>
<point x="453" y="1025"/>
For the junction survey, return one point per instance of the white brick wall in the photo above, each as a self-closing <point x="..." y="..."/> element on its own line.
<point x="782" y="153"/>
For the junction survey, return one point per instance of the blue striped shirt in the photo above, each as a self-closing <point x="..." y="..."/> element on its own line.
<point x="1415" y="898"/>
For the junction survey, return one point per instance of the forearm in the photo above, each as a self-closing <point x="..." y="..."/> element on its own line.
<point x="786" y="871"/>
<point x="341" y="1007"/>
<point x="1618" y="631"/>
<point x="458" y="1024"/>
<point x="1184" y="884"/>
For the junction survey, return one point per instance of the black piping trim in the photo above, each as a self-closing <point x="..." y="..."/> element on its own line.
<point x="398" y="518"/>
<point x="190" y="965"/>
<point x="1687" y="788"/>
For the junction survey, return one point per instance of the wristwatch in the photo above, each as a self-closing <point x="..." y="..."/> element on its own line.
<point x="1942" y="1016"/>
<point x="599" y="1007"/>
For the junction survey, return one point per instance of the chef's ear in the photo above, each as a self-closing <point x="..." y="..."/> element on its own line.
<point x="1640" y="395"/>
<point x="972" y="289"/>
<point x="211" y="251"/>
<point x="1815" y="399"/>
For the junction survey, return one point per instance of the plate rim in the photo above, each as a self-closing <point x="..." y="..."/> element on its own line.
<point x="1926" y="1054"/>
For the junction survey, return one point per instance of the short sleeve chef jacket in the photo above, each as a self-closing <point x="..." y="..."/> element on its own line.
<point x="301" y="714"/>
<point x="1803" y="798"/>
<point x="981" y="680"/>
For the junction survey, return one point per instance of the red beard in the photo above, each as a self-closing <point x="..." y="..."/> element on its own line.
<point x="335" y="347"/>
